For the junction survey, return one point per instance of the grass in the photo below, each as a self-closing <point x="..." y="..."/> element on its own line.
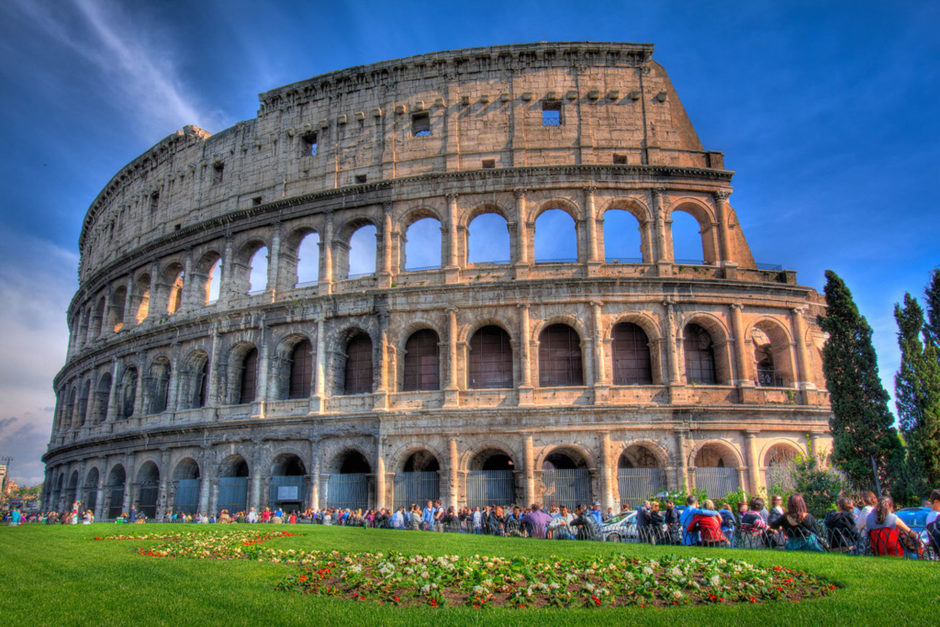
<point x="60" y="575"/>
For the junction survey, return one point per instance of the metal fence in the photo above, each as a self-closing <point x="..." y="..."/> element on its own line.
<point x="186" y="499"/>
<point x="716" y="481"/>
<point x="147" y="499"/>
<point x="490" y="487"/>
<point x="116" y="501"/>
<point x="638" y="484"/>
<point x="90" y="499"/>
<point x="287" y="489"/>
<point x="233" y="494"/>
<point x="416" y="487"/>
<point x="568" y="487"/>
<point x="348" y="491"/>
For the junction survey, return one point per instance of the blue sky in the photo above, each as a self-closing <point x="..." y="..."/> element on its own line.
<point x="828" y="112"/>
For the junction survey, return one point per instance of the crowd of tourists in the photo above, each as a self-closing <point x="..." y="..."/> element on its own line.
<point x="864" y="525"/>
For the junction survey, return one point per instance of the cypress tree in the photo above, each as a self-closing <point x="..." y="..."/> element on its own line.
<point x="932" y="294"/>
<point x="865" y="445"/>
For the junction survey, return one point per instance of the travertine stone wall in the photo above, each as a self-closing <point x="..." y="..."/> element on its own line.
<point x="155" y="376"/>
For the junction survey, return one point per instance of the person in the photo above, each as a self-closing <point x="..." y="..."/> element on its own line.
<point x="727" y="520"/>
<point x="671" y="518"/>
<point x="642" y="522"/>
<point x="753" y="529"/>
<point x="933" y="502"/>
<point x="840" y="526"/>
<point x="560" y="525"/>
<point x="707" y="526"/>
<point x="596" y="513"/>
<point x="15" y="517"/>
<point x="512" y="523"/>
<point x="776" y="510"/>
<point x="477" y="519"/>
<point x="884" y="527"/>
<point x="656" y="524"/>
<point x="224" y="517"/>
<point x="588" y="524"/>
<point x="536" y="521"/>
<point x="932" y="523"/>
<point x="427" y="516"/>
<point x="868" y="502"/>
<point x="799" y="526"/>
<point x="690" y="538"/>
<point x="252" y="515"/>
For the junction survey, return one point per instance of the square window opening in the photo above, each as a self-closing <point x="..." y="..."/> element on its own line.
<point x="360" y="178"/>
<point x="551" y="113"/>
<point x="310" y="145"/>
<point x="489" y="164"/>
<point x="420" y="124"/>
<point x="256" y="201"/>
<point x="217" y="171"/>
<point x="620" y="159"/>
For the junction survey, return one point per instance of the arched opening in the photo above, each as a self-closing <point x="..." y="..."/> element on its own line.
<point x="639" y="475"/>
<point x="623" y="242"/>
<point x="148" y="489"/>
<point x="73" y="493"/>
<point x="115" y="491"/>
<point x="490" y="479"/>
<point x="116" y="315"/>
<point x="363" y="246"/>
<point x="59" y="494"/>
<point x="490" y="359"/>
<point x="248" y="376"/>
<point x="98" y="322"/>
<point x="102" y="398"/>
<point x="419" y="480"/>
<point x="288" y="483"/>
<point x="90" y="490"/>
<point x="488" y="239"/>
<point x="186" y="482"/>
<point x="213" y="282"/>
<point x="233" y="485"/>
<point x="630" y="352"/>
<point x="195" y="381"/>
<point x="566" y="478"/>
<point x="423" y="245"/>
<point x="555" y="238"/>
<point x="258" y="271"/>
<point x="348" y="485"/>
<point x="699" y="352"/>
<point x="128" y="393"/>
<point x="560" y="357"/>
<point x="779" y="472"/>
<point x="173" y="276"/>
<point x="142" y="298"/>
<point x="308" y="261"/>
<point x="300" y="367"/>
<point x="716" y="470"/>
<point x="159" y="385"/>
<point x="772" y="360"/>
<point x="687" y="245"/>
<point x="69" y="420"/>
<point x="83" y="403"/>
<point x="422" y="362"/>
<point x="358" y="369"/>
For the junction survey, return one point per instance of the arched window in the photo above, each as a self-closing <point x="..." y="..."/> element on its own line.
<point x="116" y="317"/>
<point x="488" y="239"/>
<point x="102" y="395"/>
<point x="631" y="355"/>
<point x="622" y="240"/>
<point x="258" y="271"/>
<point x="128" y="392"/>
<point x="362" y="252"/>
<point x="421" y="362"/>
<point x="301" y="370"/>
<point x="308" y="261"/>
<point x="249" y="376"/>
<point x="423" y="245"/>
<point x="83" y="404"/>
<point x="358" y="375"/>
<point x="490" y="359"/>
<point x="559" y="357"/>
<point x="214" y="282"/>
<point x="142" y="298"/>
<point x="686" y="239"/>
<point x="555" y="238"/>
<point x="699" y="356"/>
<point x="173" y="276"/>
<point x="159" y="385"/>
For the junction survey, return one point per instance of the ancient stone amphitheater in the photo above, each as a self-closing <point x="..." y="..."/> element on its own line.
<point x="227" y="349"/>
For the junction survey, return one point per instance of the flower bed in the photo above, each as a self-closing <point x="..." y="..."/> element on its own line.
<point x="484" y="581"/>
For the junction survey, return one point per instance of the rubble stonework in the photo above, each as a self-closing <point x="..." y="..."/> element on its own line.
<point x="170" y="399"/>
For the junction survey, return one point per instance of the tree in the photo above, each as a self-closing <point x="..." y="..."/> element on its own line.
<point x="932" y="294"/>
<point x="865" y="445"/>
<point x="819" y="485"/>
<point x="917" y="392"/>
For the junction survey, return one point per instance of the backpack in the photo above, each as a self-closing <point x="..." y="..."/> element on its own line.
<point x="933" y="534"/>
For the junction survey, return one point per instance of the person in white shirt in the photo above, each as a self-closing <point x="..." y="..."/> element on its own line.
<point x="934" y="512"/>
<point x="870" y="501"/>
<point x="253" y="515"/>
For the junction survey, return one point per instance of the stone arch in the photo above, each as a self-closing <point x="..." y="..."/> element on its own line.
<point x="172" y="284"/>
<point x="565" y="474"/>
<point x="422" y="243"/>
<point x="693" y="339"/>
<point x="207" y="274"/>
<point x="492" y="248"/>
<point x="716" y="453"/>
<point x="84" y="399"/>
<point x="287" y="461"/>
<point x="186" y="468"/>
<point x="399" y="459"/>
<point x="194" y="380"/>
<point x="148" y="488"/>
<point x="242" y="369"/>
<point x="643" y="454"/>
<point x="781" y="450"/>
<point x="490" y="356"/>
<point x="560" y="355"/>
<point x="299" y="255"/>
<point x="343" y="245"/>
<point x="186" y="486"/>
<point x="632" y="355"/>
<point x="158" y="388"/>
<point x="99" y="319"/>
<point x="238" y="279"/>
<point x="777" y="457"/>
<point x="141" y="298"/>
<point x="128" y="393"/>
<point x="115" y="318"/>
<point x="69" y="417"/>
<point x="421" y="361"/>
<point x="487" y="454"/>
<point x="556" y="236"/>
<point x="288" y="486"/>
<point x="89" y="496"/>
<point x="294" y="366"/>
<point x="707" y="224"/>
<point x="233" y="484"/>
<point x="102" y="399"/>
<point x="355" y="362"/>
<point x="234" y="465"/>
<point x="771" y="345"/>
<point x="577" y="456"/>
<point x="115" y="487"/>
<point x="350" y="460"/>
<point x="559" y="202"/>
<point x="73" y="487"/>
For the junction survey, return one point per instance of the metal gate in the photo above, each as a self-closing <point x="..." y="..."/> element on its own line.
<point x="116" y="502"/>
<point x="416" y="487"/>
<point x="717" y="482"/>
<point x="91" y="498"/>
<point x="233" y="494"/>
<point x="147" y="500"/>
<point x="187" y="496"/>
<point x="638" y="484"/>
<point x="570" y="487"/>
<point x="287" y="489"/>
<point x="490" y="487"/>
<point x="348" y="491"/>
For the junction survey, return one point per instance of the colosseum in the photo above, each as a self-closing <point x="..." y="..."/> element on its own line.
<point x="228" y="348"/>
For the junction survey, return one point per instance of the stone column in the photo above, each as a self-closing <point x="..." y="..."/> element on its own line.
<point x="128" y="483"/>
<point x="206" y="479"/>
<point x="274" y="261"/>
<point x="451" y="391"/>
<point x="721" y="214"/>
<point x="673" y="373"/>
<point x="454" y="476"/>
<point x="662" y="250"/>
<point x="528" y="460"/>
<point x="315" y="474"/>
<point x="590" y="226"/>
<point x="188" y="297"/>
<point x="255" y="497"/>
<point x="601" y="380"/>
<point x="525" y="357"/>
<point x="381" y="394"/>
<point x="129" y="314"/>
<point x="99" y="490"/>
<point x="753" y="464"/>
<point x="318" y="402"/>
<point x="172" y="402"/>
<point x="114" y="402"/>
<point x="325" y="281"/>
<point x="212" y="391"/>
<point x="264" y="360"/>
<point x="139" y="392"/>
<point x="384" y="271"/>
<point x="608" y="483"/>
<point x="684" y="478"/>
<point x="380" y="495"/>
<point x="162" y="492"/>
<point x="802" y="378"/>
<point x="451" y="264"/>
<point x="522" y="260"/>
<point x="741" y="362"/>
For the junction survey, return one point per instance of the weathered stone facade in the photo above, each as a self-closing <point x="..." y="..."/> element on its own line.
<point x="558" y="378"/>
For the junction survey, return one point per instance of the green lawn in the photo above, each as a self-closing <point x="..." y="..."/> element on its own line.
<point x="60" y="575"/>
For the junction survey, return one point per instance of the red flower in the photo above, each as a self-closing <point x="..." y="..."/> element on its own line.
<point x="752" y="599"/>
<point x="596" y="600"/>
<point x="303" y="577"/>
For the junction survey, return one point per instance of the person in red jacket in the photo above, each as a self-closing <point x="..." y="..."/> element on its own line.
<point x="708" y="527"/>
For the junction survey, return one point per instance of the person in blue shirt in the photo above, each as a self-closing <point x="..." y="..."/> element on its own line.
<point x="690" y="538"/>
<point x="596" y="513"/>
<point x="427" y="516"/>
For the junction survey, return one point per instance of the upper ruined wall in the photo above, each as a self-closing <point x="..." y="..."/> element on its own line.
<point x="484" y="109"/>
